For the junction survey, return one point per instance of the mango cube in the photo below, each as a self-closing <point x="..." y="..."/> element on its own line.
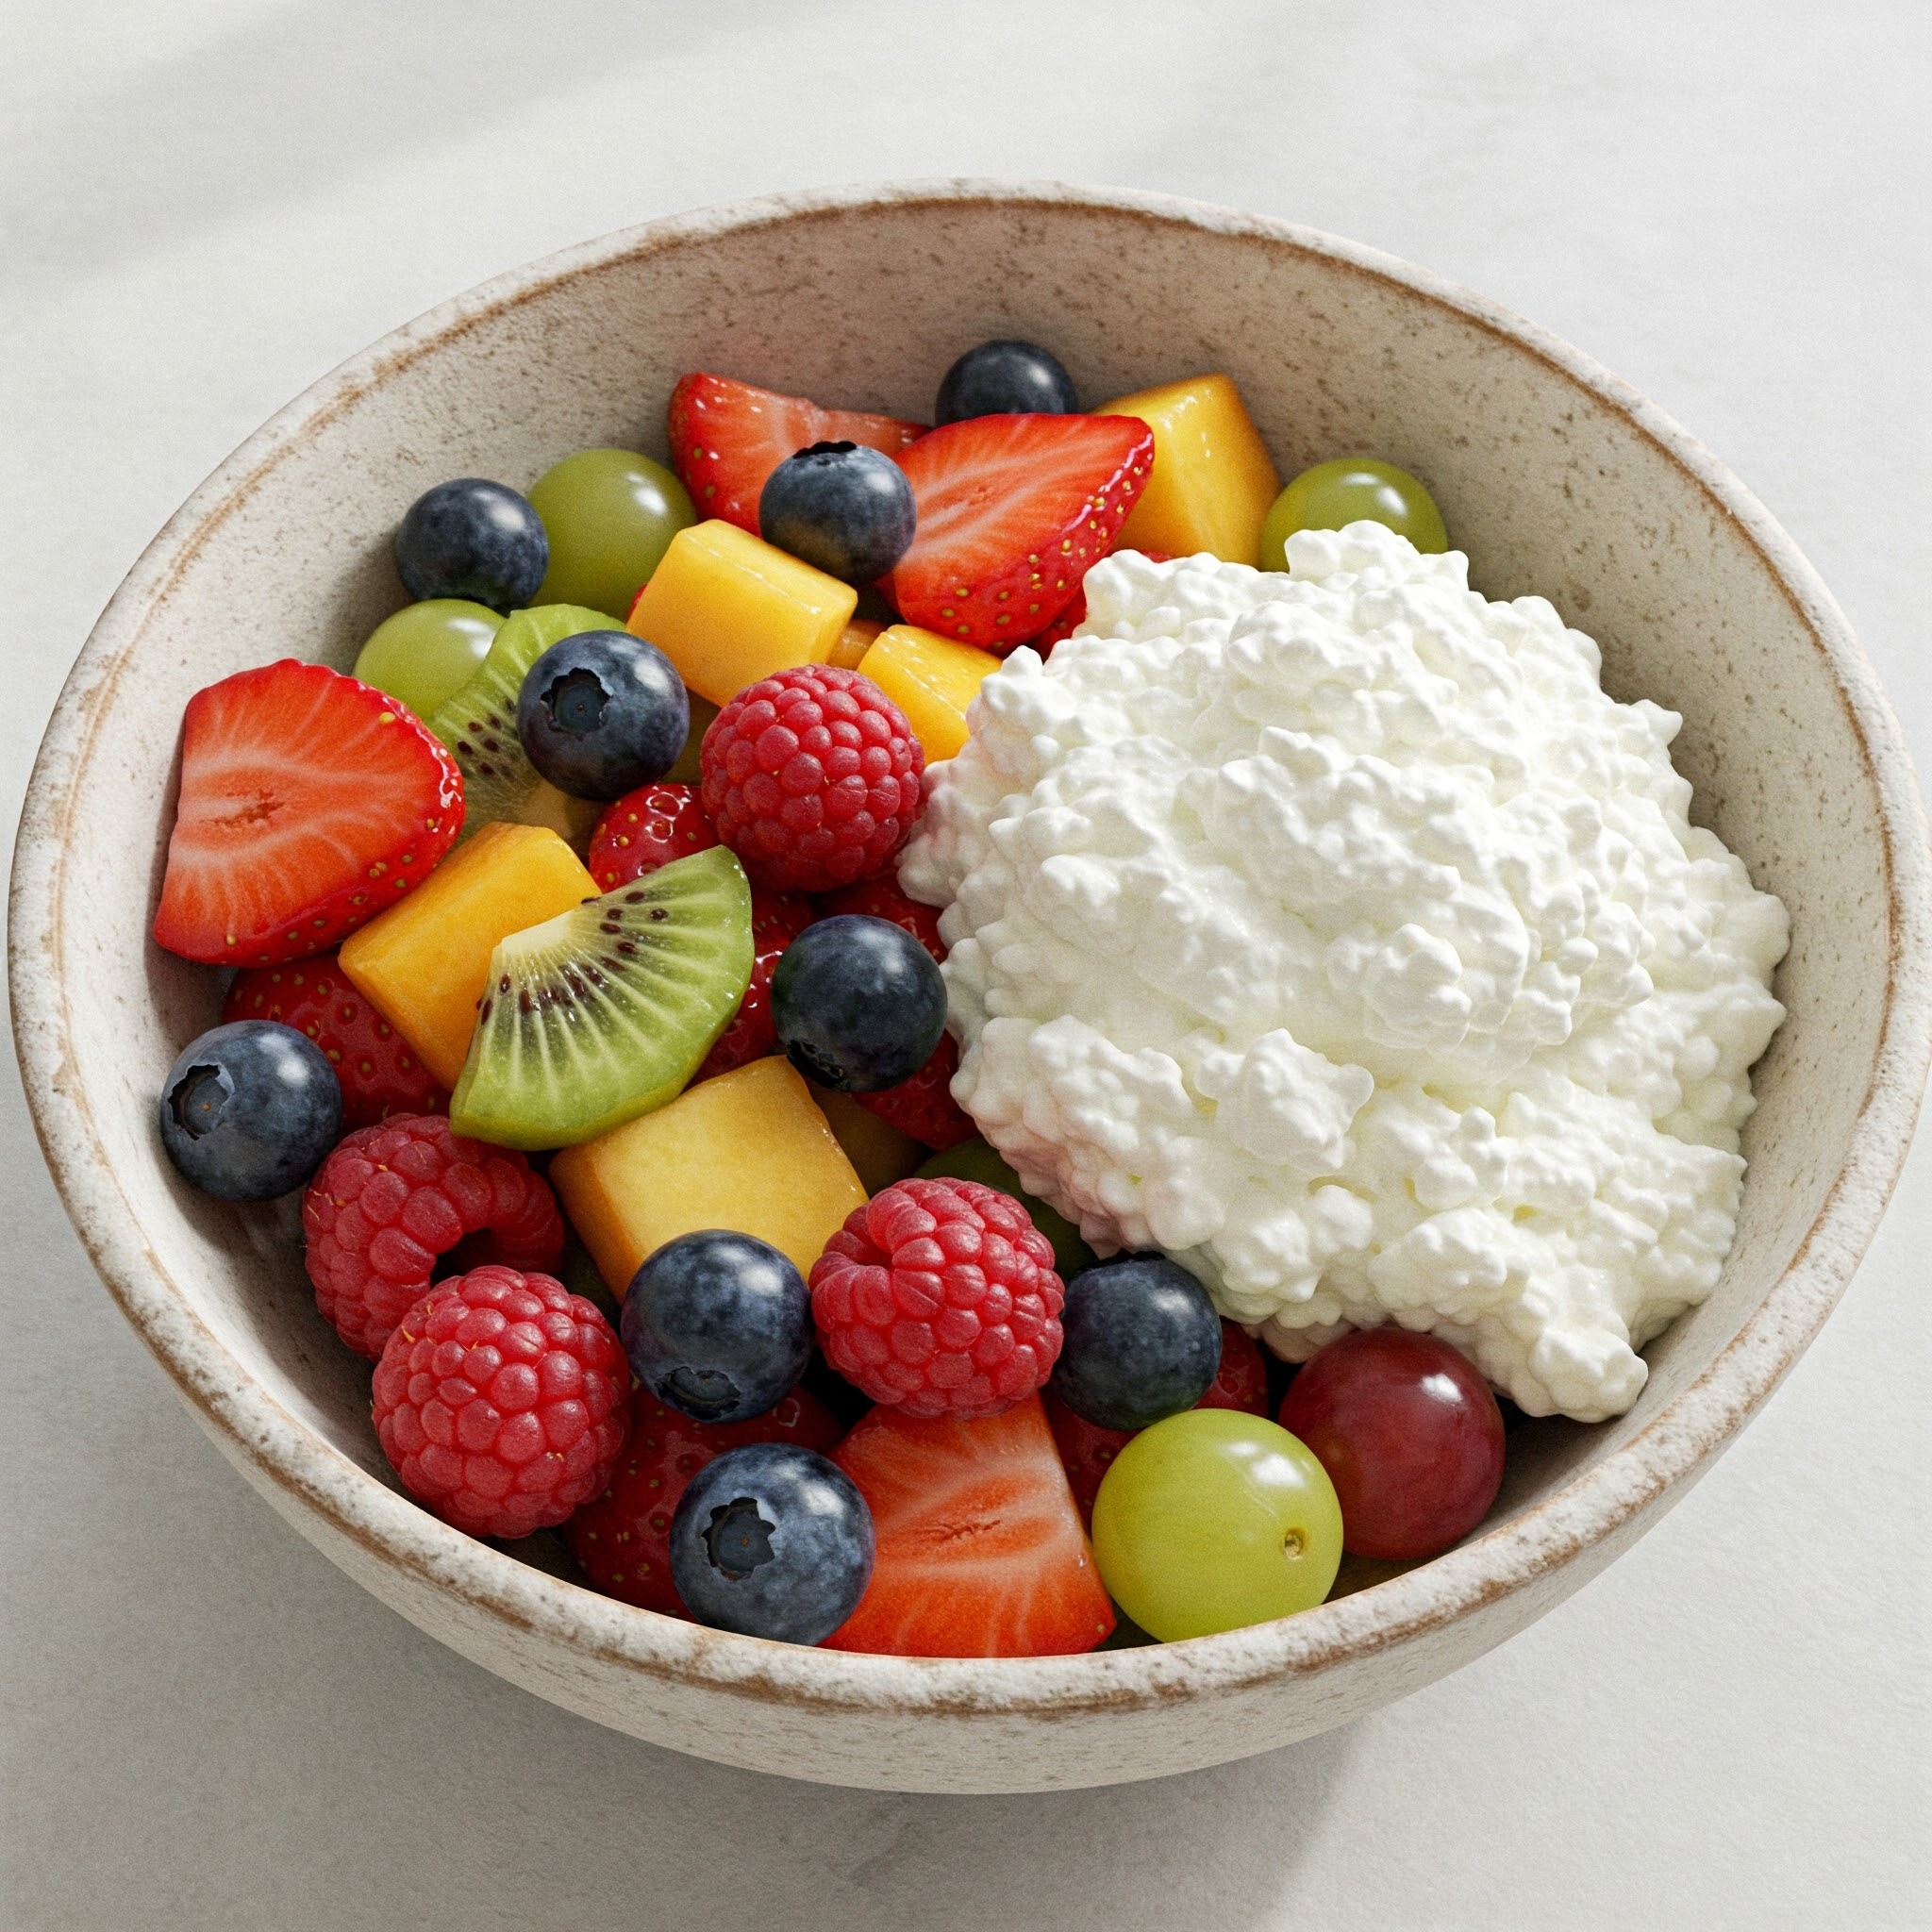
<point x="855" y="641"/>
<point x="1213" y="480"/>
<point x="932" y="679"/>
<point x="425" y="970"/>
<point x="728" y="608"/>
<point x="747" y="1150"/>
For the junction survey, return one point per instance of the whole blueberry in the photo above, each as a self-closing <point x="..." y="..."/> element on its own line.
<point x="772" y="1540"/>
<point x="250" y="1111"/>
<point x="717" y="1325"/>
<point x="603" y="712"/>
<point x="1141" y="1340"/>
<point x="845" y="509"/>
<point x="859" y="1004"/>
<point x="1006" y="378"/>
<point x="473" y="538"/>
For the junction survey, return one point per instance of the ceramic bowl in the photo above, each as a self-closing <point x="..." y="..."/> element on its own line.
<point x="1556" y="478"/>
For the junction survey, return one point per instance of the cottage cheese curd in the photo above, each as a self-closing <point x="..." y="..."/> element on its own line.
<point x="1333" y="932"/>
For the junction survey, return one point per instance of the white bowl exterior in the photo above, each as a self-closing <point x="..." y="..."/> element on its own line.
<point x="1553" y="475"/>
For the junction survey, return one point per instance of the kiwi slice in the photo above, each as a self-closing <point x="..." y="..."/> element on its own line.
<point x="605" y="1011"/>
<point x="479" y="726"/>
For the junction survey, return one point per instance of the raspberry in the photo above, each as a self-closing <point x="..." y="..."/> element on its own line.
<point x="623" y="1538"/>
<point x="923" y="1106"/>
<point x="499" y="1399"/>
<point x="938" y="1297"/>
<point x="393" y="1197"/>
<point x="812" y="778"/>
<point x="379" y="1074"/>
<point x="648" y="828"/>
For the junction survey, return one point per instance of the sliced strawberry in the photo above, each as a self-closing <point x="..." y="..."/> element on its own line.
<point x="623" y="1538"/>
<point x="776" y="919"/>
<point x="308" y="803"/>
<point x="880" y="898"/>
<point x="924" y="1106"/>
<point x="378" y="1072"/>
<point x="980" y="1549"/>
<point x="648" y="828"/>
<point x="728" y="437"/>
<point x="1012" y="510"/>
<point x="1088" y="1450"/>
<point x="1075" y="613"/>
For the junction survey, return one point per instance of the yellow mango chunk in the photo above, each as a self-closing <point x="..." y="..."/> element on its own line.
<point x="728" y="608"/>
<point x="746" y="1150"/>
<point x="932" y="679"/>
<point x="1213" y="480"/>
<point x="424" y="963"/>
<point x="855" y="641"/>
<point x="878" y="1152"/>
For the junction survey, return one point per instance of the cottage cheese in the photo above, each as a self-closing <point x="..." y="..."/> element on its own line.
<point x="1335" y="933"/>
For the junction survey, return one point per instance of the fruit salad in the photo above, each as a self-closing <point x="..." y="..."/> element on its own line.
<point x="970" y="1039"/>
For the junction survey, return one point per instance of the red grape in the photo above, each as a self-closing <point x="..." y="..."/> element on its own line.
<point x="1410" y="1434"/>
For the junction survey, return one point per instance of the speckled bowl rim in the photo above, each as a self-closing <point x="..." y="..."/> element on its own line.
<point x="314" y="1477"/>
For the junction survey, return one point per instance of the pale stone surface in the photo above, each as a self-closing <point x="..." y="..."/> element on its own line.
<point x="214" y="1726"/>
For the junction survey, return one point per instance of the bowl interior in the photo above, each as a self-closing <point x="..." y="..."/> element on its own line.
<point x="1551" y="487"/>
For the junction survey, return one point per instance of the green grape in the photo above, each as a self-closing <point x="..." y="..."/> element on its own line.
<point x="427" y="652"/>
<point x="975" y="1160"/>
<point x="611" y="514"/>
<point x="1212" y="1519"/>
<point x="1352" y="489"/>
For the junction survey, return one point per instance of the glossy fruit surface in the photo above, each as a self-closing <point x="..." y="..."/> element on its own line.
<point x="427" y="652"/>
<point x="857" y="1003"/>
<point x="1409" y="1433"/>
<point x="472" y="539"/>
<point x="648" y="828"/>
<point x="609" y="514"/>
<point x="602" y="712"/>
<point x="308" y="804"/>
<point x="845" y="509"/>
<point x="717" y="1325"/>
<point x="1352" y="489"/>
<point x="772" y="1540"/>
<point x="623" y="1538"/>
<point x="250" y="1111"/>
<point x="379" y="1073"/>
<point x="1012" y="510"/>
<point x="1006" y="378"/>
<point x="728" y="437"/>
<point x="1213" y="1520"/>
<point x="1143" y="1341"/>
<point x="776" y="919"/>
<point x="980" y="1549"/>
<point x="923" y="1105"/>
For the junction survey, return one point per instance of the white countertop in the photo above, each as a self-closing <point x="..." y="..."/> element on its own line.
<point x="205" y="204"/>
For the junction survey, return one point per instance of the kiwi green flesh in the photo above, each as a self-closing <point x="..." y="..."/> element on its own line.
<point x="605" y="1012"/>
<point x="479" y="726"/>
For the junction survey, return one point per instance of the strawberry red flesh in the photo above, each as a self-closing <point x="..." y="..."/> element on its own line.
<point x="980" y="1551"/>
<point x="309" y="802"/>
<point x="1012" y="510"/>
<point x="728" y="437"/>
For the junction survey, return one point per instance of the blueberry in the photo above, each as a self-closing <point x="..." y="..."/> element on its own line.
<point x="602" y="712"/>
<point x="845" y="509"/>
<point x="250" y="1111"/>
<point x="1141" y="1340"/>
<point x="859" y="1004"/>
<point x="717" y="1325"/>
<point x="772" y="1540"/>
<point x="476" y="539"/>
<point x="1006" y="378"/>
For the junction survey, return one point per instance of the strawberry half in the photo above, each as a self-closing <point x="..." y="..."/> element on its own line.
<point x="1088" y="1450"/>
<point x="980" y="1549"/>
<point x="726" y="437"/>
<point x="308" y="803"/>
<point x="378" y="1072"/>
<point x="1012" y="510"/>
